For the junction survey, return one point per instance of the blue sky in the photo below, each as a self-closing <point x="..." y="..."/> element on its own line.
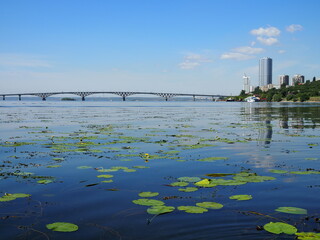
<point x="185" y="46"/>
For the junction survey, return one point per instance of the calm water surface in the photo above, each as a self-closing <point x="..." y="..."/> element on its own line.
<point x="153" y="144"/>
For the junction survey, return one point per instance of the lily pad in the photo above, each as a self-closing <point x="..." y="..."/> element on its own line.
<point x="292" y="210"/>
<point x="189" y="179"/>
<point x="45" y="181"/>
<point x="277" y="171"/>
<point x="308" y="235"/>
<point x="192" y="209"/>
<point x="148" y="194"/>
<point x="179" y="184"/>
<point x="280" y="227"/>
<point x="160" y="209"/>
<point x="241" y="197"/>
<point x="188" y="189"/>
<point x="211" y="159"/>
<point x="84" y="167"/>
<point x="148" y="202"/>
<point x="105" y="176"/>
<point x="211" y="205"/>
<point x="62" y="227"/>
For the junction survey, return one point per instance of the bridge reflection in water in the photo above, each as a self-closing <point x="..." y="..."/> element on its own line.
<point x="83" y="95"/>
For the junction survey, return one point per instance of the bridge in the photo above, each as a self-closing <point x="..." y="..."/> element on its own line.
<point x="83" y="95"/>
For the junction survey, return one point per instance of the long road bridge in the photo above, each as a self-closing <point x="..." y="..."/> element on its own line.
<point x="83" y="95"/>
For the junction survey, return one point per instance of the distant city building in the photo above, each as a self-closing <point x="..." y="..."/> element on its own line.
<point x="296" y="79"/>
<point x="265" y="71"/>
<point x="246" y="83"/>
<point x="252" y="88"/>
<point x="284" y="79"/>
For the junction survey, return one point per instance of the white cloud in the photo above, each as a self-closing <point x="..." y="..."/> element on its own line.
<point x="281" y="51"/>
<point x="269" y="31"/>
<point x="188" y="65"/>
<point x="294" y="27"/>
<point x="18" y="60"/>
<point x="236" y="56"/>
<point x="248" y="50"/>
<point x="267" y="41"/>
<point x="193" y="60"/>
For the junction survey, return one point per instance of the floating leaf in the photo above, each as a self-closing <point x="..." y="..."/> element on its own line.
<point x="179" y="184"/>
<point x="105" y="176"/>
<point x="19" y="195"/>
<point x="192" y="209"/>
<point x="218" y="174"/>
<point x="148" y="194"/>
<point x="312" y="159"/>
<point x="205" y="183"/>
<point x="189" y="179"/>
<point x="280" y="227"/>
<point x="148" y="202"/>
<point x="107" y="181"/>
<point x="211" y="159"/>
<point x="304" y="172"/>
<point x="130" y="170"/>
<point x="241" y="197"/>
<point x="140" y="167"/>
<point x="84" y="167"/>
<point x="160" y="209"/>
<point x="53" y="166"/>
<point x="212" y="205"/>
<point x="45" y="181"/>
<point x="62" y="227"/>
<point x="277" y="171"/>
<point x="308" y="235"/>
<point x="7" y="198"/>
<point x="188" y="189"/>
<point x="292" y="210"/>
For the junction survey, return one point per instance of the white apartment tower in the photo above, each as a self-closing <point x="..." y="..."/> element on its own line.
<point x="246" y="83"/>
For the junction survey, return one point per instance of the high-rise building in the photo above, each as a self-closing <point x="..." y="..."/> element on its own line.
<point x="246" y="83"/>
<point x="283" y="79"/>
<point x="265" y="71"/>
<point x="296" y="79"/>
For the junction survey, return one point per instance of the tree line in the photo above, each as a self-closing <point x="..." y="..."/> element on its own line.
<point x="310" y="90"/>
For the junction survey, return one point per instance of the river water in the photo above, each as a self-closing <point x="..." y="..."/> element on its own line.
<point x="86" y="163"/>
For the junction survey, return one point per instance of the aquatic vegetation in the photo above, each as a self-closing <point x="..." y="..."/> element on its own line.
<point x="211" y="159"/>
<point x="179" y="184"/>
<point x="210" y="205"/>
<point x="105" y="176"/>
<point x="280" y="227"/>
<point x="241" y="197"/>
<point x="148" y="202"/>
<point x="12" y="196"/>
<point x="148" y="194"/>
<point x="308" y="235"/>
<point x="291" y="210"/>
<point x="160" y="209"/>
<point x="62" y="227"/>
<point x="188" y="189"/>
<point x="192" y="209"/>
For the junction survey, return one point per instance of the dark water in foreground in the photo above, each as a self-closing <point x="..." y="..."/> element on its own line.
<point x="55" y="151"/>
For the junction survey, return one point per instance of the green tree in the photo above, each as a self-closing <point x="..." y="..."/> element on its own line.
<point x="277" y="97"/>
<point x="313" y="79"/>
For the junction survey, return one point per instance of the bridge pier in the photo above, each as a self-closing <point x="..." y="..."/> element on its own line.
<point x="4" y="97"/>
<point x="82" y="98"/>
<point x="44" y="99"/>
<point x="19" y="97"/>
<point x="123" y="98"/>
<point x="194" y="98"/>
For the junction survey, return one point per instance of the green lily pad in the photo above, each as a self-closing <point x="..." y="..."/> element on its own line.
<point x="148" y="194"/>
<point x="277" y="171"/>
<point x="107" y="181"/>
<point x="308" y="235"/>
<point x="140" y="167"/>
<point x="105" y="176"/>
<point x="291" y="210"/>
<point x="192" y="209"/>
<point x="160" y="209"/>
<point x="45" y="181"/>
<point x="179" y="184"/>
<point x="188" y="189"/>
<point x="211" y="159"/>
<point x="62" y="227"/>
<point x="148" y="202"/>
<point x="312" y="159"/>
<point x="241" y="197"/>
<point x="84" y="167"/>
<point x="19" y="195"/>
<point x="280" y="227"/>
<point x="189" y="179"/>
<point x="53" y="166"/>
<point x="211" y="205"/>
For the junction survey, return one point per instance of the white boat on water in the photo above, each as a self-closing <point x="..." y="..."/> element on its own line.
<point x="252" y="99"/>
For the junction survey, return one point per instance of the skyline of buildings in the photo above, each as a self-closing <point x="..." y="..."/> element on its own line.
<point x="265" y="77"/>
